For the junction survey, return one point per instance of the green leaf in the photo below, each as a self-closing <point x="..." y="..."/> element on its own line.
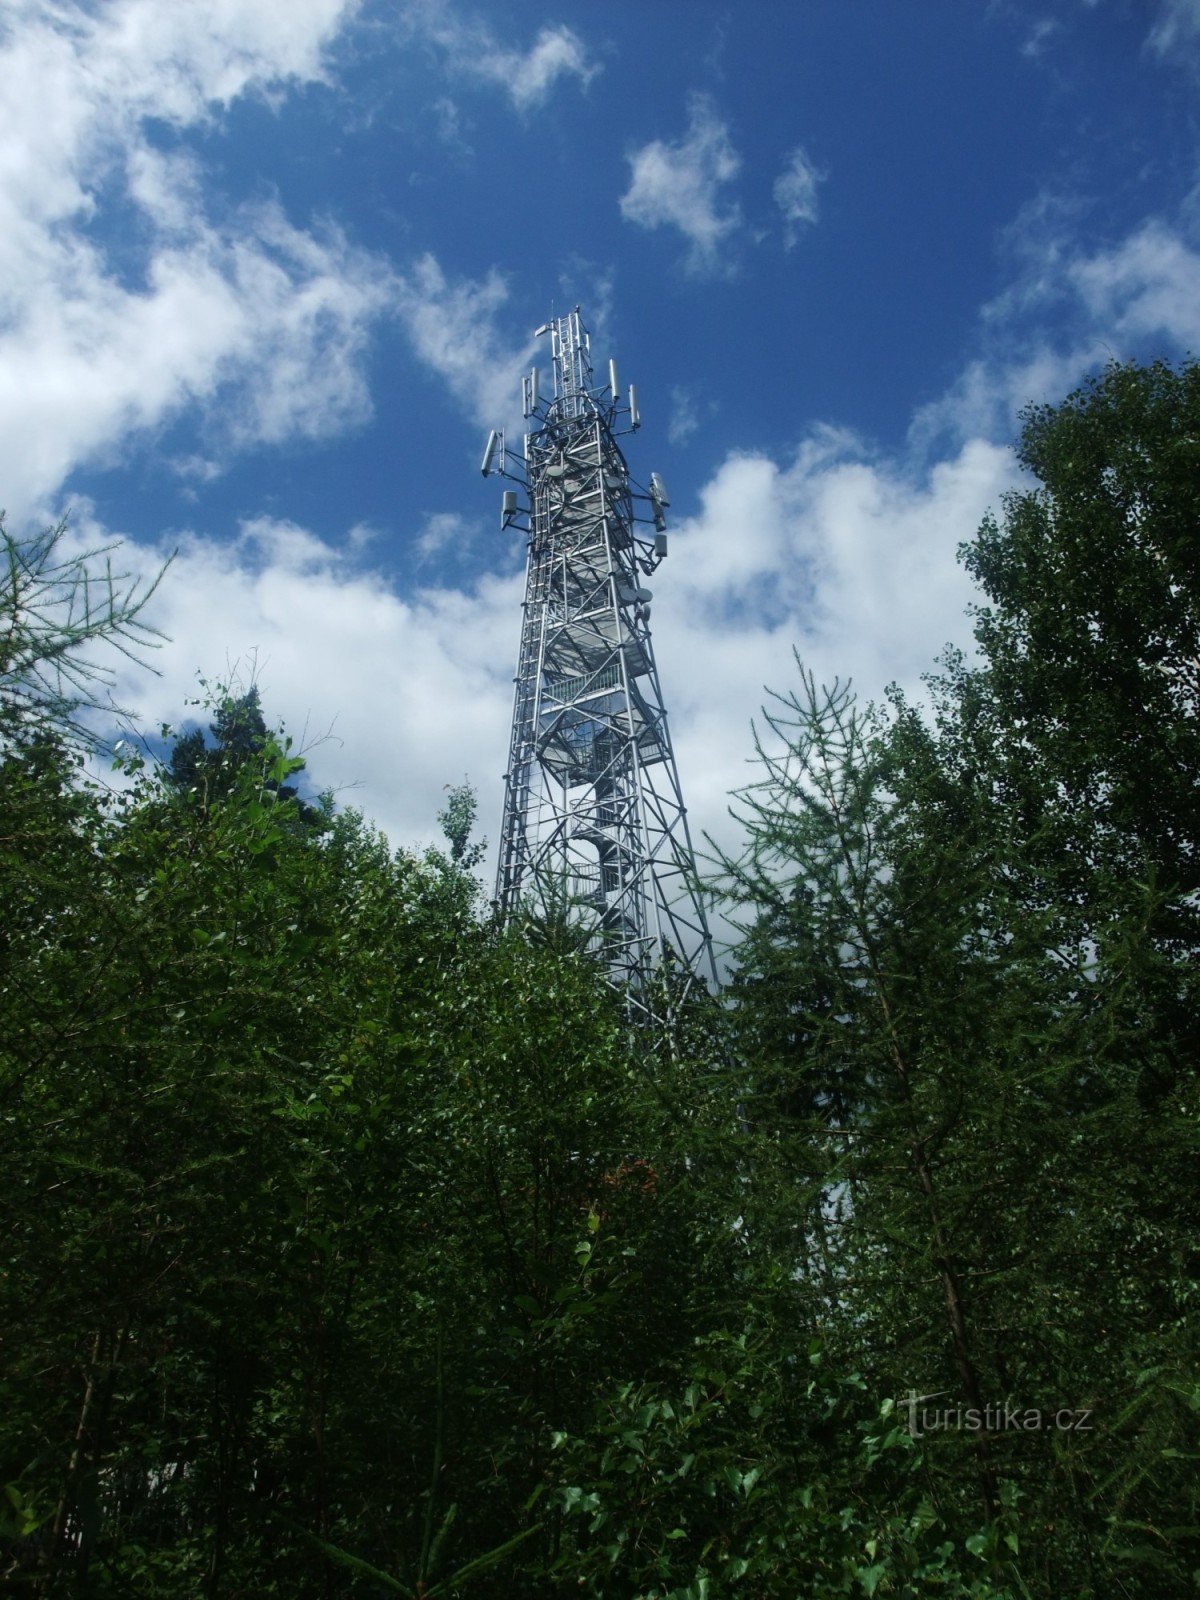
<point x="870" y="1577"/>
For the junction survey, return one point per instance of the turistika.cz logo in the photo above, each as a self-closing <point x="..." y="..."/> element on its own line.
<point x="1007" y="1418"/>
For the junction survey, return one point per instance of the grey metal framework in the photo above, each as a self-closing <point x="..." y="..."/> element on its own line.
<point x="594" y="821"/>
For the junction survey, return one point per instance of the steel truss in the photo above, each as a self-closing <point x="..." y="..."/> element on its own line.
<point x="594" y="829"/>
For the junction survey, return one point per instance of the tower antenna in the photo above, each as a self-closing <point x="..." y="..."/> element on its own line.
<point x="594" y="828"/>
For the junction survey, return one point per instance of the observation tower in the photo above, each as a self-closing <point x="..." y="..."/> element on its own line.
<point x="595" y="830"/>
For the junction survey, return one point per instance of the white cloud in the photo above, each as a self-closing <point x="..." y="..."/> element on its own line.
<point x="681" y="185"/>
<point x="588" y="283"/>
<point x="112" y="325"/>
<point x="985" y="399"/>
<point x="454" y="329"/>
<point x="416" y="690"/>
<point x="795" y="194"/>
<point x="103" y="71"/>
<point x="685" y="416"/>
<point x="846" y="559"/>
<point x="1136" y="299"/>
<point x="1177" y="28"/>
<point x="849" y="556"/>
<point x="1039" y="35"/>
<point x="1147" y="286"/>
<point x="449" y="125"/>
<point x="555" y="53"/>
<point x="472" y="50"/>
<point x="444" y="530"/>
<point x="108" y="329"/>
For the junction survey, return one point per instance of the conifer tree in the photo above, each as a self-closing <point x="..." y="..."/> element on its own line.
<point x="56" y="607"/>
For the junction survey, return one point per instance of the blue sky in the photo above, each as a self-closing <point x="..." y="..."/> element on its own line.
<point x="270" y="270"/>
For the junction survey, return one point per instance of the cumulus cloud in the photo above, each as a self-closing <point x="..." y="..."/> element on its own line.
<point x="1176" y="31"/>
<point x="455" y="329"/>
<point x="448" y="123"/>
<point x="847" y="557"/>
<point x="337" y="649"/>
<point x="124" y="300"/>
<point x="111" y="324"/>
<point x="685" y="416"/>
<point x="841" y="556"/>
<point x="1145" y="286"/>
<point x="555" y="53"/>
<point x="1138" y="298"/>
<point x="1039" y="36"/>
<point x="443" y="531"/>
<point x="471" y="49"/>
<point x="681" y="185"/>
<point x="795" y="194"/>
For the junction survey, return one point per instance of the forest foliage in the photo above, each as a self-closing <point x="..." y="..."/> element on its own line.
<point x="355" y="1247"/>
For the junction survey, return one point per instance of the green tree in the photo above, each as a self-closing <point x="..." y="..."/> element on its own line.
<point x="239" y="735"/>
<point x="863" y="992"/>
<point x="967" y="1001"/>
<point x="56" y="607"/>
<point x="1091" y="634"/>
<point x="302" y="1159"/>
<point x="1076" y="741"/>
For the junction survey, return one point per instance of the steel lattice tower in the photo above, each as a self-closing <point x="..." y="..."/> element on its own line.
<point x="594" y="822"/>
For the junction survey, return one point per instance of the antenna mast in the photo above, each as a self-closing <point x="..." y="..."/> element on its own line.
<point x="594" y="825"/>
